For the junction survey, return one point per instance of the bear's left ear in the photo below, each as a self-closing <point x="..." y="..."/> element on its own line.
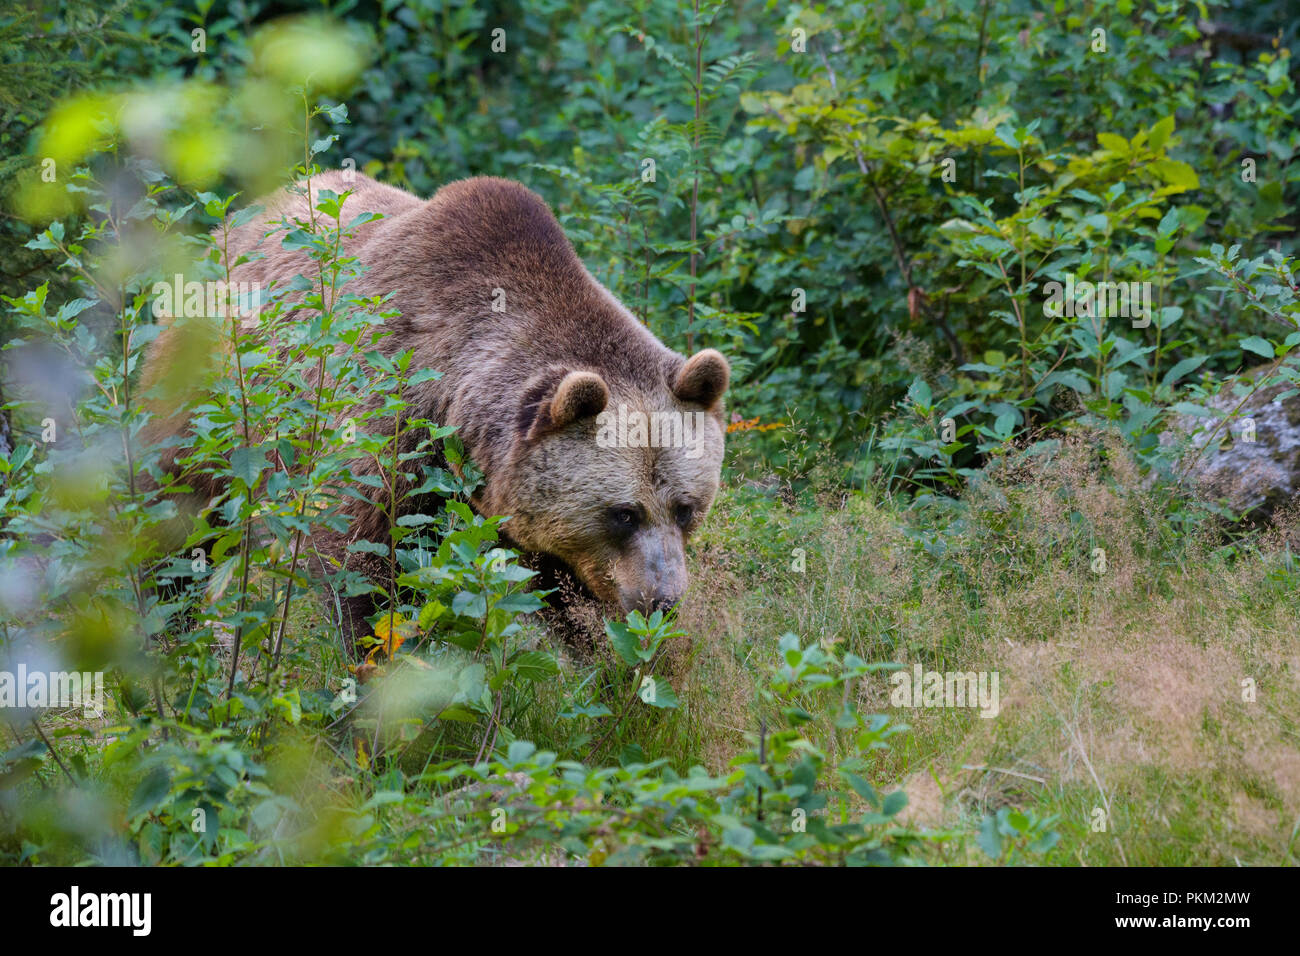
<point x="578" y="395"/>
<point x="703" y="378"/>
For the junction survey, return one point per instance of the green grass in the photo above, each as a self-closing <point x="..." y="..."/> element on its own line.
<point x="1120" y="688"/>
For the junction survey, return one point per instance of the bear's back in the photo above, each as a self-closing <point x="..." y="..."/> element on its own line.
<point x="263" y="233"/>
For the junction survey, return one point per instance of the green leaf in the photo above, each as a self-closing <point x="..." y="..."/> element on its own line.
<point x="520" y="750"/>
<point x="1045" y="842"/>
<point x="585" y="710"/>
<point x="247" y="465"/>
<point x="1070" y="379"/>
<point x="989" y="840"/>
<point x="535" y="665"/>
<point x="1259" y="346"/>
<point x="1004" y="425"/>
<point x="468" y="604"/>
<point x="424" y="375"/>
<point x="1007" y="137"/>
<point x="461" y="510"/>
<point x="458" y="715"/>
<point x="659" y="694"/>
<point x="864" y="789"/>
<point x="739" y="838"/>
<point x="430" y="613"/>
<point x="1185" y="367"/>
<point x="522" y="603"/>
<point x="150" y="792"/>
<point x="626" y="644"/>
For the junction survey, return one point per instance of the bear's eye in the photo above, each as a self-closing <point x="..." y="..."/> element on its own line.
<point x="684" y="515"/>
<point x="624" y="519"/>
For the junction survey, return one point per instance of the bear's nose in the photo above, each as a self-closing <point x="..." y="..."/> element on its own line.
<point x="648" y="603"/>
<point x="663" y="602"/>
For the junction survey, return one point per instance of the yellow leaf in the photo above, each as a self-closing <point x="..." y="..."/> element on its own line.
<point x="1176" y="174"/>
<point x="1116" y="144"/>
<point x="1160" y="133"/>
<point x="391" y="631"/>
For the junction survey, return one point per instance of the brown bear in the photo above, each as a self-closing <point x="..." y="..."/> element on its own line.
<point x="602" y="445"/>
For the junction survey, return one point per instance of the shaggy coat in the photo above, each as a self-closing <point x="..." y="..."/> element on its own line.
<point x="523" y="383"/>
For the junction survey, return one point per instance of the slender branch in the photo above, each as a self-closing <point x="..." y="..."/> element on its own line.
<point x="695" y="187"/>
<point x="54" y="753"/>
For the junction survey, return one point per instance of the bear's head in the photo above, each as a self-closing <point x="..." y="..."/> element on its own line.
<point x="611" y="477"/>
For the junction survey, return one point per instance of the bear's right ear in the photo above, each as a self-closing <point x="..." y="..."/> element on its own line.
<point x="578" y="395"/>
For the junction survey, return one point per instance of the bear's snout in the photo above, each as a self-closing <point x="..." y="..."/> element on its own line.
<point x="648" y="603"/>
<point x="654" y="577"/>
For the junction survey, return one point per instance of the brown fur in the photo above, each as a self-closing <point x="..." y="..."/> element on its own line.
<point x="523" y="385"/>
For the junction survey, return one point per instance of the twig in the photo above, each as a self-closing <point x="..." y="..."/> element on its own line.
<point x="1013" y="773"/>
<point x="54" y="753"/>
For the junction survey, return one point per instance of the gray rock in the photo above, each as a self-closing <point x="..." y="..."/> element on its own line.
<point x="1254" y="461"/>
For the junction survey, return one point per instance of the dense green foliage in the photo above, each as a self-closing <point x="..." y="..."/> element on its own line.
<point x="862" y="204"/>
